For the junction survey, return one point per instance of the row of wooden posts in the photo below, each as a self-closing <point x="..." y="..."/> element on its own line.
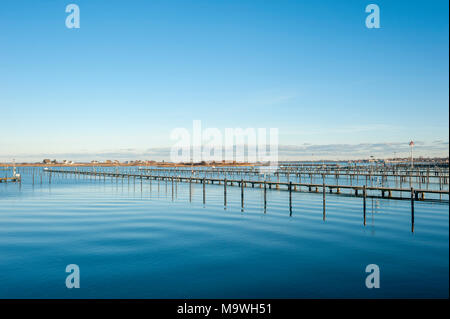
<point x="242" y="183"/>
<point x="328" y="172"/>
<point x="428" y="179"/>
<point x="277" y="174"/>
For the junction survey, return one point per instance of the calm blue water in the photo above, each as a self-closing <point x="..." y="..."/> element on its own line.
<point x="147" y="242"/>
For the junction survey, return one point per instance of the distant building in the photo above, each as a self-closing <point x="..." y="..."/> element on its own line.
<point x="46" y="161"/>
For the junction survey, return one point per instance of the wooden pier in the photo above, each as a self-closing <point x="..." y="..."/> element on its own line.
<point x="318" y="172"/>
<point x="356" y="190"/>
<point x="363" y="191"/>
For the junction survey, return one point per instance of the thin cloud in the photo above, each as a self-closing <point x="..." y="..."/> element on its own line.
<point x="285" y="152"/>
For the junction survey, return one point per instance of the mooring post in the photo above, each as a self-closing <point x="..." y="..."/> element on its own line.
<point x="420" y="178"/>
<point x="364" y="203"/>
<point x="412" y="209"/>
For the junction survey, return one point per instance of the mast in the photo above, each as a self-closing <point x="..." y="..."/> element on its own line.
<point x="411" y="145"/>
<point x="14" y="167"/>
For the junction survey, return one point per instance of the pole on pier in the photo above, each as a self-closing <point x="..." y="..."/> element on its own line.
<point x="412" y="209"/>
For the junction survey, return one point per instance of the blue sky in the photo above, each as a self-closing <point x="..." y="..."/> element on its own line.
<point x="136" y="70"/>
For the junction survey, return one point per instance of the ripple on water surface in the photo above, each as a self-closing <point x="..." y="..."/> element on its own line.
<point x="133" y="243"/>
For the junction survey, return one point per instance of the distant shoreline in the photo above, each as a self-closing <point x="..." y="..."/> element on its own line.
<point x="158" y="164"/>
<point x="436" y="161"/>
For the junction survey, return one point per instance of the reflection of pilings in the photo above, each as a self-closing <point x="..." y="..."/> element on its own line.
<point x="290" y="198"/>
<point x="265" y="196"/>
<point x="242" y="194"/>
<point x="412" y="209"/>
<point x="364" y="203"/>
<point x="225" y="192"/>
<point x="190" y="190"/>
<point x="204" y="198"/>
<point x="323" y="192"/>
